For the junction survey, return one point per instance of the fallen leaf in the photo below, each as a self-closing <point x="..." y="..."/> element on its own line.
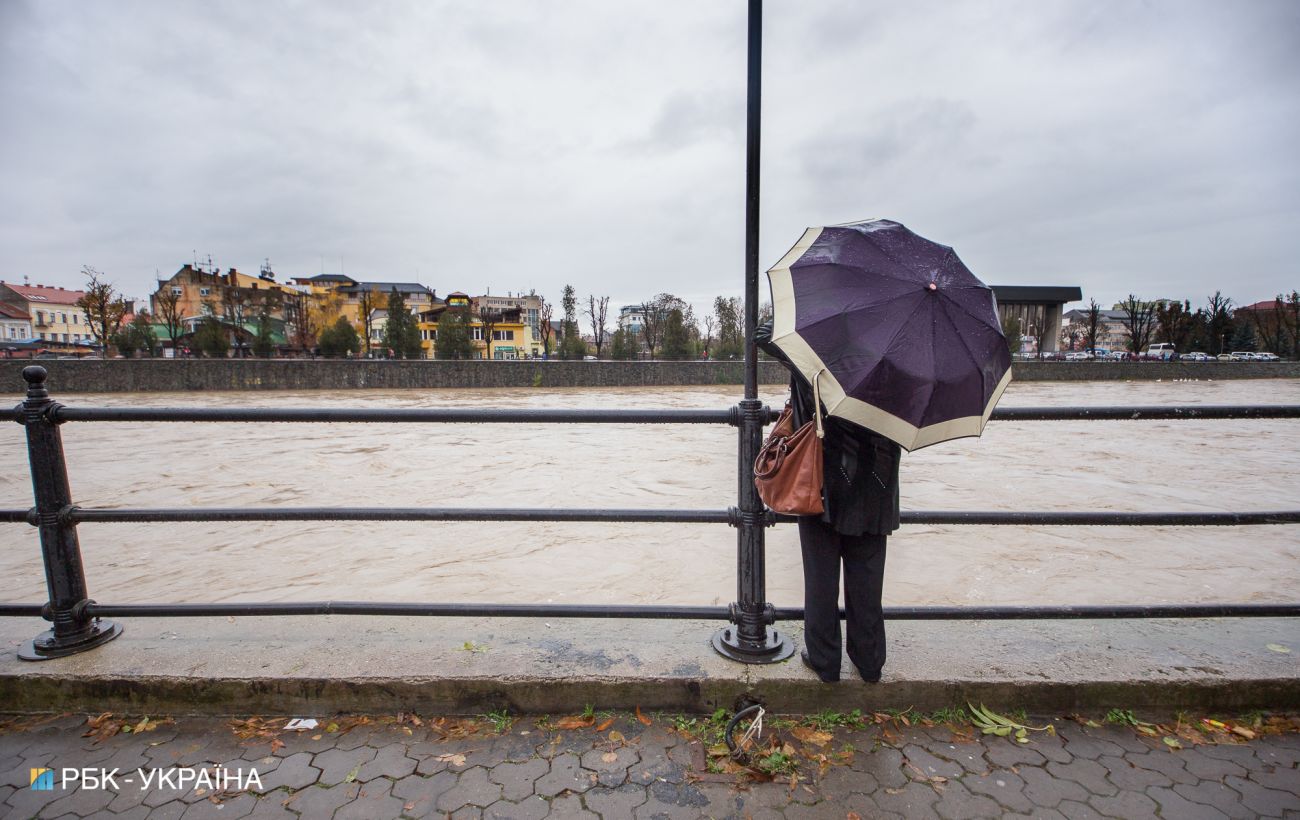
<point x="452" y="759"/>
<point x="609" y="757"/>
<point x="605" y="724"/>
<point x="616" y="736"/>
<point x="574" y="722"/>
<point x="807" y="734"/>
<point x="317" y="737"/>
<point x="352" y="775"/>
<point x="1243" y="732"/>
<point x="276" y="745"/>
<point x="645" y="720"/>
<point x="1277" y="647"/>
<point x="852" y="816"/>
<point x="1172" y="743"/>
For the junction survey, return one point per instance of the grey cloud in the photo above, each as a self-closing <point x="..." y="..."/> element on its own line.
<point x="517" y="145"/>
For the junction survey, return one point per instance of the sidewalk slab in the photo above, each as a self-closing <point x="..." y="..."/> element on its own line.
<point x="381" y="665"/>
<point x="646" y="766"/>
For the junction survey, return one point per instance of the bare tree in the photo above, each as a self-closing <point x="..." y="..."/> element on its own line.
<point x="596" y="311"/>
<point x="103" y="307"/>
<point x="710" y="321"/>
<point x="368" y="301"/>
<point x="1174" y="324"/>
<point x="1091" y="326"/>
<point x="301" y="324"/>
<point x="1139" y="322"/>
<point x="489" y="318"/>
<point x="656" y="313"/>
<point x="167" y="306"/>
<point x="546" y="328"/>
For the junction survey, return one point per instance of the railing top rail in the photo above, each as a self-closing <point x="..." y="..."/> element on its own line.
<point x="82" y="515"/>
<point x="392" y="416"/>
<point x="63" y="413"/>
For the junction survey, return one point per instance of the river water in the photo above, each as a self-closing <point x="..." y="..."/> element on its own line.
<point x="1129" y="466"/>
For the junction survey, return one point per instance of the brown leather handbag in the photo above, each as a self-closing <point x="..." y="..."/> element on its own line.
<point x="788" y="470"/>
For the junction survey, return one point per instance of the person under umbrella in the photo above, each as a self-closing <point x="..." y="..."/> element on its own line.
<point x="860" y="502"/>
<point x="907" y="350"/>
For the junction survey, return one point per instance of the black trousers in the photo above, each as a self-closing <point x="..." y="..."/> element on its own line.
<point x="863" y="557"/>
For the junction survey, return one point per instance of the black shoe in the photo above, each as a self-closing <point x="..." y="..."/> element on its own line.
<point x="870" y="677"/>
<point x="825" y="678"/>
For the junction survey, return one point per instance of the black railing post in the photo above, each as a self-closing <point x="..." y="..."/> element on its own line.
<point x="74" y="630"/>
<point x="751" y="639"/>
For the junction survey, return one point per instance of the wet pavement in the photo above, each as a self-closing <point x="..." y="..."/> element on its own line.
<point x="643" y="766"/>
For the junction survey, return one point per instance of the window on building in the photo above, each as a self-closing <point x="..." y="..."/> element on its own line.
<point x="40" y="317"/>
<point x="63" y="318"/>
<point x="477" y="334"/>
<point x="176" y="291"/>
<point x="503" y="335"/>
<point x="205" y="291"/>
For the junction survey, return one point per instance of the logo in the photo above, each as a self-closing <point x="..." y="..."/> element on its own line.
<point x="43" y="780"/>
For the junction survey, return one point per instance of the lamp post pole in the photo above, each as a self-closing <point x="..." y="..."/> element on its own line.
<point x="751" y="638"/>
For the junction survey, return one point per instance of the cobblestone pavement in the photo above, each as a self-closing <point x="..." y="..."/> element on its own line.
<point x="621" y="768"/>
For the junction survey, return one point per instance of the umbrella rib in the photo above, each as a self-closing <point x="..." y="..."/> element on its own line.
<point x="843" y="313"/>
<point x="859" y="268"/>
<point x="981" y="319"/>
<point x="969" y="353"/>
<point x="885" y="348"/>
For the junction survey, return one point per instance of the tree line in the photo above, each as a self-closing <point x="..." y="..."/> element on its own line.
<point x="1216" y="327"/>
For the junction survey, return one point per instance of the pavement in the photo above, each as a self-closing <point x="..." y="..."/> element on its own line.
<point x="438" y="665"/>
<point x="639" y="765"/>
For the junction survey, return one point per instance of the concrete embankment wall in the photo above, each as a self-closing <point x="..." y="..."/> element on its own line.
<point x="158" y="375"/>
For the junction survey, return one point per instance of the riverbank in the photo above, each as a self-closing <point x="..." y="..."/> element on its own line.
<point x="166" y="375"/>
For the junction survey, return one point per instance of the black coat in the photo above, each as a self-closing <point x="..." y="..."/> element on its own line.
<point x="860" y="482"/>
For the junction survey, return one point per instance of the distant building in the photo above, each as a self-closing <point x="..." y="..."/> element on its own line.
<point x="55" y="318"/>
<point x="1112" y="327"/>
<point x="529" y="306"/>
<point x="1038" y="309"/>
<point x="512" y="336"/>
<point x="632" y="318"/>
<point x="15" y="323"/>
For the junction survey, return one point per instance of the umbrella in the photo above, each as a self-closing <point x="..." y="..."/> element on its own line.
<point x="906" y="339"/>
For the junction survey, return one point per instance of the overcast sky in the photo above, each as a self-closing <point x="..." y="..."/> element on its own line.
<point x="1146" y="147"/>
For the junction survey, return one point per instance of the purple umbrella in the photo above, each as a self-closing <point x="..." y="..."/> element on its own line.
<point x="906" y="340"/>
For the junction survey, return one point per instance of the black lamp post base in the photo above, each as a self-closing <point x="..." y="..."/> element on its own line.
<point x="45" y="646"/>
<point x="774" y="648"/>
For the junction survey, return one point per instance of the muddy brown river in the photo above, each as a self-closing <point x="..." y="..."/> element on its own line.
<point x="1129" y="466"/>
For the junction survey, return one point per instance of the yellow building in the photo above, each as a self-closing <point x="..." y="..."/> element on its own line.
<point x="513" y="337"/>
<point x="335" y="295"/>
<point x="55" y="318"/>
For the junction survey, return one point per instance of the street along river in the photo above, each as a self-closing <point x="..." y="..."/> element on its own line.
<point x="1119" y="466"/>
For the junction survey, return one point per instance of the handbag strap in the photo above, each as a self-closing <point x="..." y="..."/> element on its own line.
<point x="817" y="404"/>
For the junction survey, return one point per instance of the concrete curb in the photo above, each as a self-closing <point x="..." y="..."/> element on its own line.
<point x="469" y="666"/>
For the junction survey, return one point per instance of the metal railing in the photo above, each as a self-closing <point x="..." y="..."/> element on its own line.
<point x="79" y="623"/>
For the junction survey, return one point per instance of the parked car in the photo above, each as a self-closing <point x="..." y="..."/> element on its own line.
<point x="1225" y="357"/>
<point x="1242" y="356"/>
<point x="1077" y="356"/>
<point x="1196" y="356"/>
<point x="1159" y="350"/>
<point x="1267" y="357"/>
